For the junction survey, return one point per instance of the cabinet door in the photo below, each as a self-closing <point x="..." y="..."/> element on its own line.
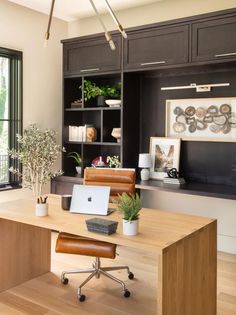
<point x="214" y="40"/>
<point x="156" y="47"/>
<point x="91" y="55"/>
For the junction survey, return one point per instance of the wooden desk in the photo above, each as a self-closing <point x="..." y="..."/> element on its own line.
<point x="186" y="247"/>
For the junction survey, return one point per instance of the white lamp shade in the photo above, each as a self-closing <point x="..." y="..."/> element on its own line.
<point x="144" y="160"/>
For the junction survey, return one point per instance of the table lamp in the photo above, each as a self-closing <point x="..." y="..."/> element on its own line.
<point x="145" y="163"/>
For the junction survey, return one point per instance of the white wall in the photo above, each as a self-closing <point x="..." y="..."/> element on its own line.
<point x="23" y="29"/>
<point x="151" y="13"/>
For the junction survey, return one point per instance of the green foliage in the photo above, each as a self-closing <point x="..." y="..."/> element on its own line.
<point x="113" y="161"/>
<point x="91" y="90"/>
<point x="37" y="152"/>
<point x="3" y="95"/>
<point x="129" y="205"/>
<point x="76" y="156"/>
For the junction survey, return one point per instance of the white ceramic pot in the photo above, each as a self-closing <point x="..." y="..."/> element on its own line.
<point x="41" y="209"/>
<point x="78" y="170"/>
<point x="130" y="227"/>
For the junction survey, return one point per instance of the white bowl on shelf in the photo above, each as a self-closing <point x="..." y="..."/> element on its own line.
<point x="113" y="103"/>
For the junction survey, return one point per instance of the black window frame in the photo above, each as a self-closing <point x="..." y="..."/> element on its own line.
<point x="15" y="117"/>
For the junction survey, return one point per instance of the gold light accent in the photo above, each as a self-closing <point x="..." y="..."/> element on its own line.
<point x="107" y="34"/>
<point x="115" y="19"/>
<point x="47" y="34"/>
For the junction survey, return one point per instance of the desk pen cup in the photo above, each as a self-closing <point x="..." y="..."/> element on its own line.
<point x="65" y="202"/>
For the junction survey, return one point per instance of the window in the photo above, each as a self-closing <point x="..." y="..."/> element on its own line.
<point x="10" y="110"/>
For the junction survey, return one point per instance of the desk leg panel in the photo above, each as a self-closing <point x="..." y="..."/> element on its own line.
<point x="25" y="253"/>
<point x="187" y="275"/>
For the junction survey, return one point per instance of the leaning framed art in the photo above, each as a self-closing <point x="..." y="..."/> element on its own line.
<point x="202" y="119"/>
<point x="165" y="154"/>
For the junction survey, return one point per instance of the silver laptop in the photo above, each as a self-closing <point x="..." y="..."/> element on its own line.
<point x="90" y="199"/>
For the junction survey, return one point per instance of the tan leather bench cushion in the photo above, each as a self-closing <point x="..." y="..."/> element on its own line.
<point x="73" y="244"/>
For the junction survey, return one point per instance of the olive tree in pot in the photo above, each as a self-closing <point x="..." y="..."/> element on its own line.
<point x="129" y="205"/>
<point x="37" y="152"/>
<point x="77" y="157"/>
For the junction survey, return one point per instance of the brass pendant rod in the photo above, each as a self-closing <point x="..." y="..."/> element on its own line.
<point x="107" y="34"/>
<point x="120" y="27"/>
<point x="47" y="34"/>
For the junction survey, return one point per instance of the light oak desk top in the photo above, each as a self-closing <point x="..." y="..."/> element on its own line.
<point x="186" y="246"/>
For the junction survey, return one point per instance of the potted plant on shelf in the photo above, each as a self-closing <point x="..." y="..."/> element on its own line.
<point x="91" y="90"/>
<point x="77" y="157"/>
<point x="129" y="205"/>
<point x="37" y="153"/>
<point x="113" y="161"/>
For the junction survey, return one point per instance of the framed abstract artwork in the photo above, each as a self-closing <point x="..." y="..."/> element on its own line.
<point x="202" y="119"/>
<point x="165" y="154"/>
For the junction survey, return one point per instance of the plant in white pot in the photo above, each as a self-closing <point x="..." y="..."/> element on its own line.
<point x="37" y="151"/>
<point x="77" y="157"/>
<point x="129" y="205"/>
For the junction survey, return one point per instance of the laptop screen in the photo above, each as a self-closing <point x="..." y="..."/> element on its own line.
<point x="90" y="199"/>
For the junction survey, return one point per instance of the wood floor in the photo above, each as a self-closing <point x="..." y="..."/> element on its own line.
<point x="46" y="295"/>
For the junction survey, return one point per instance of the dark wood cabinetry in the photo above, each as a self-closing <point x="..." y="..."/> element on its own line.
<point x="91" y="55"/>
<point x="200" y="50"/>
<point x="214" y="39"/>
<point x="155" y="47"/>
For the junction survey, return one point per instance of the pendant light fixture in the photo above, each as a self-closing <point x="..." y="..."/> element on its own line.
<point x="107" y="34"/>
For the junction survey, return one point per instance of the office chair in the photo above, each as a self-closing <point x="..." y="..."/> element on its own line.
<point x="120" y="180"/>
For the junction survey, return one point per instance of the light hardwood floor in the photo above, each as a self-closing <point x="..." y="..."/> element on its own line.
<point x="46" y="295"/>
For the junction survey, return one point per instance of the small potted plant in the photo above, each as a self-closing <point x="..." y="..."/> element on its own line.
<point x="129" y="205"/>
<point x="91" y="90"/>
<point x="37" y="153"/>
<point x="77" y="157"/>
<point x="113" y="161"/>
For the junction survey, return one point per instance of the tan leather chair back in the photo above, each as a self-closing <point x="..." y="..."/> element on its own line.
<point x="120" y="180"/>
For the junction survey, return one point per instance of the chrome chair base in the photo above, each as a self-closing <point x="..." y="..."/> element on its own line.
<point x="96" y="271"/>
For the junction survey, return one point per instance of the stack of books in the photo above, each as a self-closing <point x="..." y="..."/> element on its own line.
<point x="174" y="181"/>
<point x="79" y="133"/>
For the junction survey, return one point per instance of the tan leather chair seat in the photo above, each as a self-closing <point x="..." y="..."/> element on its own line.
<point x="73" y="244"/>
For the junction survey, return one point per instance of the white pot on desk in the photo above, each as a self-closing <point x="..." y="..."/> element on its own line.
<point x="41" y="209"/>
<point x="130" y="227"/>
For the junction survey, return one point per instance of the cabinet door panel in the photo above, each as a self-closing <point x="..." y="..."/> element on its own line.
<point x="91" y="56"/>
<point x="214" y="40"/>
<point x="156" y="47"/>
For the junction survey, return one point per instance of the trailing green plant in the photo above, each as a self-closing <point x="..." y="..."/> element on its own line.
<point x="91" y="90"/>
<point x="37" y="153"/>
<point x="76" y="156"/>
<point x="129" y="205"/>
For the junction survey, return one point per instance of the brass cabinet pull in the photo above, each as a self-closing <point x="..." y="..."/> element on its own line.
<point x="225" y="55"/>
<point x="152" y="63"/>
<point x="89" y="70"/>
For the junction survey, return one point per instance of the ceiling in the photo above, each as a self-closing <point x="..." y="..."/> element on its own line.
<point x="70" y="10"/>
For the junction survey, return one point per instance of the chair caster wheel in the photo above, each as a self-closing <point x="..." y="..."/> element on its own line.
<point x="65" y="281"/>
<point x="131" y="275"/>
<point x="126" y="293"/>
<point x="82" y="298"/>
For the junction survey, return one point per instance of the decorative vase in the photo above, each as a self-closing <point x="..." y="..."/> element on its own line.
<point x="78" y="169"/>
<point x="116" y="133"/>
<point x="130" y="227"/>
<point x="41" y="209"/>
<point x="91" y="134"/>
